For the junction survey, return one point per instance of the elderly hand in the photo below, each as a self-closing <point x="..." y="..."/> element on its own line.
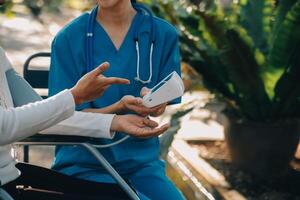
<point x="93" y="84"/>
<point x="137" y="126"/>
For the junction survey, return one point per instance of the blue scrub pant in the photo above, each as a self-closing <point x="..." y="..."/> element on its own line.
<point x="150" y="181"/>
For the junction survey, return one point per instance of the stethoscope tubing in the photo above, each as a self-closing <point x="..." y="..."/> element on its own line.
<point x="90" y="48"/>
<point x="90" y="44"/>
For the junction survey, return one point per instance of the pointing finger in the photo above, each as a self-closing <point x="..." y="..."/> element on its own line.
<point x="114" y="80"/>
<point x="99" y="70"/>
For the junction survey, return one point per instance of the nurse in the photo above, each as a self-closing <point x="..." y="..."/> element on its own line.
<point x="139" y="47"/>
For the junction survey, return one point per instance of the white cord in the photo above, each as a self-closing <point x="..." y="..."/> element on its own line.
<point x="112" y="144"/>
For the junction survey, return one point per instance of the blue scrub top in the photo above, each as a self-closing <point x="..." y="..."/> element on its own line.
<point x="68" y="65"/>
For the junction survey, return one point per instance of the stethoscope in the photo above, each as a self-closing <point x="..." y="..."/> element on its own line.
<point x="90" y="48"/>
<point x="90" y="45"/>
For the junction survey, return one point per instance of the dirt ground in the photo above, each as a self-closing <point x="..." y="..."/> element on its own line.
<point x="286" y="188"/>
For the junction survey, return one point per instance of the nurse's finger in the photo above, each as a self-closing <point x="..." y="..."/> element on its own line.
<point x="99" y="70"/>
<point x="134" y="101"/>
<point x="114" y="80"/>
<point x="140" y="110"/>
<point x="144" y="91"/>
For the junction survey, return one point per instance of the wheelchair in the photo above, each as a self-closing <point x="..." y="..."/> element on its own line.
<point x="38" y="79"/>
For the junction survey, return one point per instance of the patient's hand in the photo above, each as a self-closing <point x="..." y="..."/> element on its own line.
<point x="137" y="126"/>
<point x="93" y="84"/>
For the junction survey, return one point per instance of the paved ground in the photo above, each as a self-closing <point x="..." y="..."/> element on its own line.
<point x="22" y="36"/>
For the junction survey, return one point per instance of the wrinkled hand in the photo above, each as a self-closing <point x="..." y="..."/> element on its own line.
<point x="157" y="110"/>
<point x="93" y="84"/>
<point x="137" y="126"/>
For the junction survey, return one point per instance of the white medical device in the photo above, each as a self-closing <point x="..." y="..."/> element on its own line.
<point x="168" y="89"/>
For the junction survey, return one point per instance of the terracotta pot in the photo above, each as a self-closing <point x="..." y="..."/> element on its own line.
<point x="263" y="149"/>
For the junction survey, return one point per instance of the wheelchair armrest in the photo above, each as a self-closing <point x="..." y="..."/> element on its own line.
<point x="87" y="143"/>
<point x="42" y="138"/>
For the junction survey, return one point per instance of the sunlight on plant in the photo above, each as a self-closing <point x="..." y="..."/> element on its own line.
<point x="246" y="51"/>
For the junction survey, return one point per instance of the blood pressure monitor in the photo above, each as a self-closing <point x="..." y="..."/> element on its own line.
<point x="168" y="89"/>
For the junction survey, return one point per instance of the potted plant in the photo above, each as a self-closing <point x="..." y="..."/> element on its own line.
<point x="248" y="54"/>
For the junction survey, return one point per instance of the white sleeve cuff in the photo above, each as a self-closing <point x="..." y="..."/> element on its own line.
<point x="108" y="118"/>
<point x="71" y="99"/>
<point x="85" y="124"/>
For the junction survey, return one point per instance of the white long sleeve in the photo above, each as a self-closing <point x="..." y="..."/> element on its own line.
<point x="84" y="124"/>
<point x="80" y="124"/>
<point x="30" y="118"/>
<point x="19" y="123"/>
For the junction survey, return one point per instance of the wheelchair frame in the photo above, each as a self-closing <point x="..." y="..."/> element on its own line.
<point x="39" y="79"/>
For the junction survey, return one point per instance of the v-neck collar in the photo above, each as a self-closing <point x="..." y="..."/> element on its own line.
<point x="131" y="28"/>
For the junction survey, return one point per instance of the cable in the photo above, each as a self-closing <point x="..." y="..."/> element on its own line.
<point x="102" y="146"/>
<point x="112" y="144"/>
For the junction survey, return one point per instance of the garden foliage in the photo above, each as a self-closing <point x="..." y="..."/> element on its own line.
<point x="245" y="50"/>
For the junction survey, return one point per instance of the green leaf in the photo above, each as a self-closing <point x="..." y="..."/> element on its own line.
<point x="287" y="99"/>
<point x="284" y="46"/>
<point x="215" y="75"/>
<point x="287" y="39"/>
<point x="243" y="69"/>
<point x="283" y="8"/>
<point x="238" y="62"/>
<point x="256" y="16"/>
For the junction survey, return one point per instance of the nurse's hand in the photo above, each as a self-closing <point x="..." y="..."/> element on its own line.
<point x="93" y="84"/>
<point x="133" y="104"/>
<point x="157" y="110"/>
<point x="137" y="126"/>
